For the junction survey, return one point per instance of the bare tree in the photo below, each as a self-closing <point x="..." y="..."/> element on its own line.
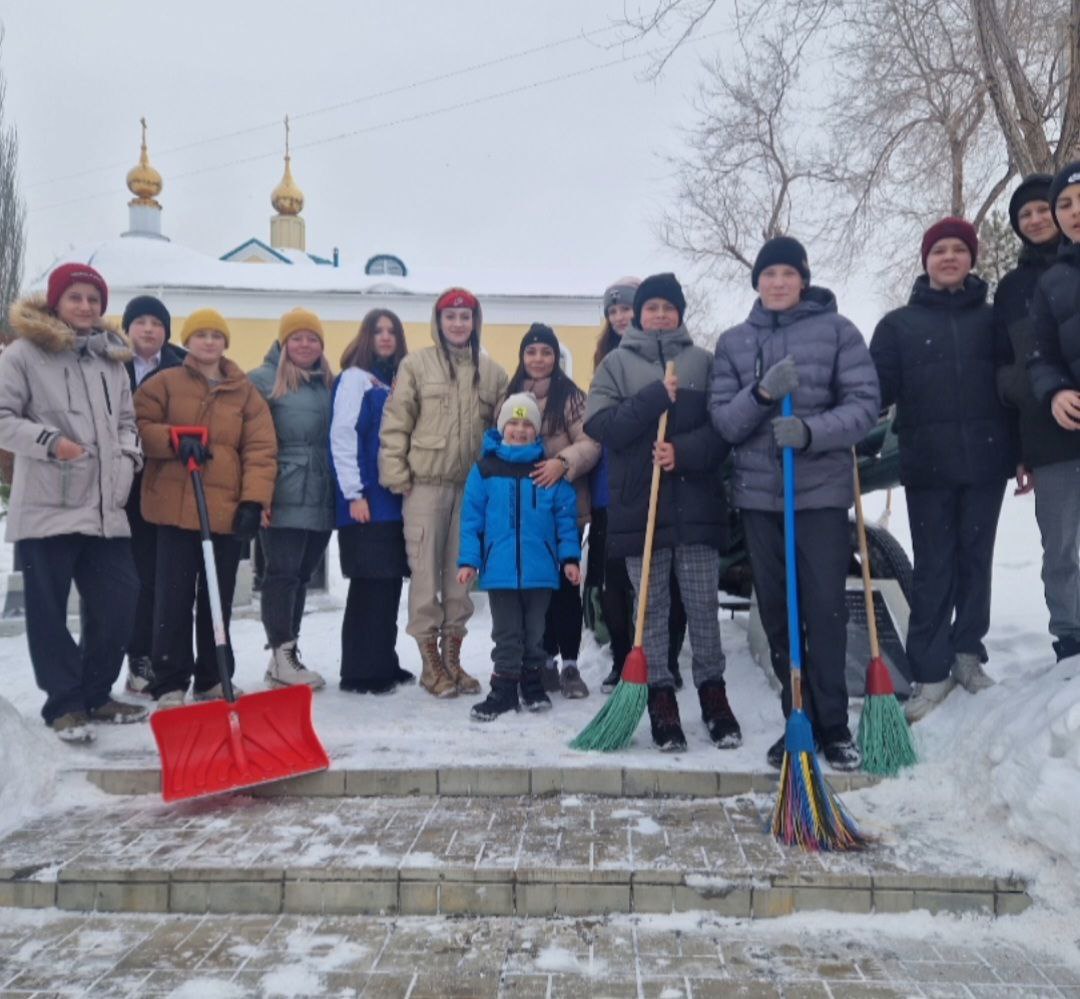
<point x="926" y="107"/>
<point x="12" y="210"/>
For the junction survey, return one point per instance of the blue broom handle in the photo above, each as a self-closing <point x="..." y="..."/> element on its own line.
<point x="794" y="645"/>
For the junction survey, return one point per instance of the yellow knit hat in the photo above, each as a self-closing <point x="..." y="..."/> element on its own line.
<point x="204" y="319"/>
<point x="300" y="319"/>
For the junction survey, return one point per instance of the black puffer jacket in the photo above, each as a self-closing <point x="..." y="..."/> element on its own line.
<point x="1054" y="363"/>
<point x="1042" y="441"/>
<point x="935" y="360"/>
<point x="625" y="402"/>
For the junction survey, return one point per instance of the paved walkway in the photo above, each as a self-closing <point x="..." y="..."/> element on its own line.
<point x="99" y="955"/>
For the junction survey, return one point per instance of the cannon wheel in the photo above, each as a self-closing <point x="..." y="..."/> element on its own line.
<point x="888" y="560"/>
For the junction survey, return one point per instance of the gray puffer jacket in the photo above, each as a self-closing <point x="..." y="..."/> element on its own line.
<point x="838" y="399"/>
<point x="304" y="489"/>
<point x="54" y="383"/>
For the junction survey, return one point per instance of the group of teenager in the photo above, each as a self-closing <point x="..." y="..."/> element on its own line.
<point x="436" y="466"/>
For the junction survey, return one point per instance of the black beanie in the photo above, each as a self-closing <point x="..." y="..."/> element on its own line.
<point x="147" y="305"/>
<point x="781" y="250"/>
<point x="539" y="333"/>
<point x="1034" y="187"/>
<point x="665" y="286"/>
<point x="1068" y="174"/>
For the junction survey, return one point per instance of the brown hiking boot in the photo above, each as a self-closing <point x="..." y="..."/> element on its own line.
<point x="451" y="657"/>
<point x="433" y="676"/>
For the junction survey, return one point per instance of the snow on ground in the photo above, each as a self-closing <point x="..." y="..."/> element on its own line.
<point x="997" y="784"/>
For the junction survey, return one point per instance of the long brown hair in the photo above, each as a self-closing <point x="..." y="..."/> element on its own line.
<point x="360" y="353"/>
<point x="605" y="343"/>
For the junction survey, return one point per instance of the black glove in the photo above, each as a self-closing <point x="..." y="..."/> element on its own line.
<point x="247" y="522"/>
<point x="192" y="447"/>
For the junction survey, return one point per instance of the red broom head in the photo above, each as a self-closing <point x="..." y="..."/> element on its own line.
<point x="878" y="679"/>
<point x="635" y="667"/>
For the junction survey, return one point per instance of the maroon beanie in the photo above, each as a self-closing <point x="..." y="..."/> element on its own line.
<point x="64" y="276"/>
<point x="953" y="228"/>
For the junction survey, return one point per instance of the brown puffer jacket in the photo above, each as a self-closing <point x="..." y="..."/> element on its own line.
<point x="242" y="440"/>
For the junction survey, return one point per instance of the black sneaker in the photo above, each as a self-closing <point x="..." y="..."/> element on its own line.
<point x="667" y="733"/>
<point x="1065" y="648"/>
<point x="717" y="714"/>
<point x="549" y="674"/>
<point x="503" y="698"/>
<point x="533" y="695"/>
<point x="842" y="754"/>
<point x="775" y="755"/>
<point x="611" y="681"/>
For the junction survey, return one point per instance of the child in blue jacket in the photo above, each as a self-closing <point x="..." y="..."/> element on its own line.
<point x="518" y="537"/>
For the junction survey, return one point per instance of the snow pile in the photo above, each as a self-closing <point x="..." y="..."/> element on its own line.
<point x="28" y="767"/>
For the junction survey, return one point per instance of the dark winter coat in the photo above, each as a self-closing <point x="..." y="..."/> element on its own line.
<point x="935" y="360"/>
<point x="304" y="488"/>
<point x="1054" y="363"/>
<point x="837" y="399"/>
<point x="171" y="357"/>
<point x="375" y="550"/>
<point x="625" y="401"/>
<point x="519" y="535"/>
<point x="1041" y="440"/>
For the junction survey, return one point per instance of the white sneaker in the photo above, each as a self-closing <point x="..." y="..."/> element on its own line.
<point x="287" y="670"/>
<point x="967" y="671"/>
<point x="172" y="699"/>
<point x="216" y="693"/>
<point x="925" y="697"/>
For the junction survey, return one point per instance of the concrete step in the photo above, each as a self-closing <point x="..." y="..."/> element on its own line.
<point x="572" y="855"/>
<point x="617" y="782"/>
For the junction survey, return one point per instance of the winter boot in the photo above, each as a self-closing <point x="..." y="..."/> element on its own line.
<point x="451" y="657"/>
<point x="611" y="681"/>
<point x="140" y="675"/>
<point x="842" y="754"/>
<point x="667" y="733"/>
<point x="287" y="670"/>
<point x="402" y="677"/>
<point x="363" y="685"/>
<point x="118" y="713"/>
<point x="573" y="687"/>
<point x="214" y="693"/>
<point x="73" y="727"/>
<point x="502" y="699"/>
<point x="533" y="695"/>
<point x="968" y="672"/>
<point x="925" y="697"/>
<point x="717" y="715"/>
<point x="1066" y="647"/>
<point x="549" y="675"/>
<point x="433" y="676"/>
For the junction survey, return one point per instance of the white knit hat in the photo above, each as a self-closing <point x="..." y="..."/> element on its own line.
<point x="520" y="406"/>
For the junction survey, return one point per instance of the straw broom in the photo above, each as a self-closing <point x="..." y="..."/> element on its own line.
<point x="616" y="722"/>
<point x="884" y="736"/>
<point x="807" y="813"/>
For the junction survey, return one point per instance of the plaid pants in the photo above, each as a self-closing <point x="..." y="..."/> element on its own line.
<point x="697" y="568"/>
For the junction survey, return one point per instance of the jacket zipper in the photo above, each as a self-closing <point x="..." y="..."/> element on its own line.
<point x="517" y="527"/>
<point x="105" y="386"/>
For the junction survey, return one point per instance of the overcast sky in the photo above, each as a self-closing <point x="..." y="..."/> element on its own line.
<point x="562" y="177"/>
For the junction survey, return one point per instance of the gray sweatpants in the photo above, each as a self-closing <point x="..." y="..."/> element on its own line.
<point x="517" y="629"/>
<point x="697" y="568"/>
<point x="1057" y="509"/>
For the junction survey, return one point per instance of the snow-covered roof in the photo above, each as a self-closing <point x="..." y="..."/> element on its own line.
<point x="134" y="262"/>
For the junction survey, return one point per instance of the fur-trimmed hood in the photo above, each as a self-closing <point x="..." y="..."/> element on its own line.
<point x="31" y="319"/>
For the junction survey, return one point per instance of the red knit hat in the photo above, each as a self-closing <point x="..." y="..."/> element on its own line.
<point x="951" y="228"/>
<point x="64" y="276"/>
<point x="457" y="298"/>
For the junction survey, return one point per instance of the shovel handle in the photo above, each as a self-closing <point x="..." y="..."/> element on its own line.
<point x="864" y="561"/>
<point x="650" y="527"/>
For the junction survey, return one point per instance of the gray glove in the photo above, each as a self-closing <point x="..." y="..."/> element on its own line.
<point x="781" y="379"/>
<point x="790" y="431"/>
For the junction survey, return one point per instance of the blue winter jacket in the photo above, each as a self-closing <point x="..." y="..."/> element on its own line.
<point x="359" y="398"/>
<point x="518" y="535"/>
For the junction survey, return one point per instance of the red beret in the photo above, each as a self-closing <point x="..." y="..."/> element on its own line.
<point x="951" y="228"/>
<point x="64" y="276"/>
<point x="457" y="298"/>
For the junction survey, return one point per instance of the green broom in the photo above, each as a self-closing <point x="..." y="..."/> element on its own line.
<point x="617" y="721"/>
<point x="884" y="736"/>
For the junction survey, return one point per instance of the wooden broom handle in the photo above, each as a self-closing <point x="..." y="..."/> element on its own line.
<point x="650" y="528"/>
<point x="864" y="559"/>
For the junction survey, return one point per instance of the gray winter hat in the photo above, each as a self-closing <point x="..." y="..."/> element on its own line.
<point x="621" y="293"/>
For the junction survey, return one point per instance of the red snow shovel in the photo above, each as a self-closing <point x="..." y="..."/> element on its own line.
<point x="220" y="746"/>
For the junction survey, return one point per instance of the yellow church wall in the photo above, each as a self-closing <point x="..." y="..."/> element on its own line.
<point x="251" y="338"/>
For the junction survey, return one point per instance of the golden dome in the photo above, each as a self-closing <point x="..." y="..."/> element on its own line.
<point x="143" y="180"/>
<point x="287" y="198"/>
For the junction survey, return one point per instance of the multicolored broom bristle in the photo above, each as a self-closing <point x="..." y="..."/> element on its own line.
<point x="616" y="722"/>
<point x="884" y="735"/>
<point x="807" y="813"/>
